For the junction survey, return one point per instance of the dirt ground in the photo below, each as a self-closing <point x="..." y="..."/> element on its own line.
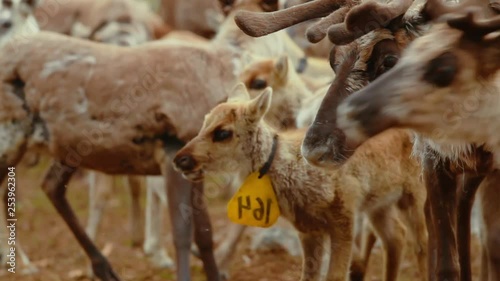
<point x="51" y="246"/>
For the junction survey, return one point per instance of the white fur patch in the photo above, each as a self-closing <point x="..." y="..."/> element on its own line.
<point x="11" y="136"/>
<point x="62" y="64"/>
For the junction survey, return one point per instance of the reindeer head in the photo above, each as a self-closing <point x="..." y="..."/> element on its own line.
<point x="445" y="85"/>
<point x="260" y="5"/>
<point x="368" y="38"/>
<point x="229" y="138"/>
<point x="288" y="89"/>
<point x="14" y="13"/>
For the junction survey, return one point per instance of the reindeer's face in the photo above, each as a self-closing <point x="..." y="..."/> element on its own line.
<point x="355" y="66"/>
<point x="434" y="89"/>
<point x="287" y="89"/>
<point x="13" y="13"/>
<point x="226" y="141"/>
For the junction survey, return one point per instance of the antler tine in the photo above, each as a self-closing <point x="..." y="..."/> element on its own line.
<point x="339" y="35"/>
<point x="366" y="17"/>
<point x="260" y="24"/>
<point x="317" y="31"/>
<point x="473" y="28"/>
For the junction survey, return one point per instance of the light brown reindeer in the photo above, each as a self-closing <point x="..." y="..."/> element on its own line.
<point x="119" y="22"/>
<point x="320" y="204"/>
<point x="125" y="127"/>
<point x="325" y="144"/>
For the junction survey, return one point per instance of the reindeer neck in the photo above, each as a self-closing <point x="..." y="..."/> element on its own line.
<point x="261" y="150"/>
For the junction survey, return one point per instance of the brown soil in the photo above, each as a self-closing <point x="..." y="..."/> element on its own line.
<point x="51" y="246"/>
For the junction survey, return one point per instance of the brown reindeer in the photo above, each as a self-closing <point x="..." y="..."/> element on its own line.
<point x="319" y="203"/>
<point x="325" y="144"/>
<point x="461" y="63"/>
<point x="467" y="70"/>
<point x="125" y="126"/>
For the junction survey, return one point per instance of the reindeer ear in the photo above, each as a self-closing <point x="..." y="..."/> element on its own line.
<point x="281" y="68"/>
<point x="259" y="106"/>
<point x="238" y="93"/>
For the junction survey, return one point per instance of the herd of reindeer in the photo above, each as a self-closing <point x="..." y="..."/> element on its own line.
<point x="373" y="120"/>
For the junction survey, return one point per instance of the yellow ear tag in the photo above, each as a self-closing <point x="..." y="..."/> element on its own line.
<point x="255" y="203"/>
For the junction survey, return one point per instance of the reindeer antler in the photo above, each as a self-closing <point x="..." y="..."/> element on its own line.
<point x="463" y="16"/>
<point x="260" y="24"/>
<point x="473" y="28"/>
<point x="366" y="17"/>
<point x="317" y="32"/>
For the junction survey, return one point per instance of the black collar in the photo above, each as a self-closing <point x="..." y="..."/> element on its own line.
<point x="265" y="168"/>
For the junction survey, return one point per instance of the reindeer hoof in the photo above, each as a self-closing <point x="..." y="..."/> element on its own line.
<point x="102" y="270"/>
<point x="31" y="269"/>
<point x="161" y="260"/>
<point x="195" y="251"/>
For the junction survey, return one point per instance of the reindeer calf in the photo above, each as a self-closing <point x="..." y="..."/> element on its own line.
<point x="319" y="203"/>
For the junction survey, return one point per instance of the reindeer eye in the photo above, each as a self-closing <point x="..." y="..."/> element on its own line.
<point x="390" y="61"/>
<point x="221" y="135"/>
<point x="442" y="70"/>
<point x="258" y="84"/>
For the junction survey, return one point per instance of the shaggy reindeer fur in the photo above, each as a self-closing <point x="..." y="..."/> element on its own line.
<point x="318" y="203"/>
<point x="325" y="144"/>
<point x="450" y="104"/>
<point x="54" y="85"/>
<point x="438" y="64"/>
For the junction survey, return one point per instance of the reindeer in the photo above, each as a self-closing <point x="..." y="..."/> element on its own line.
<point x="325" y="144"/>
<point x="463" y="63"/>
<point x="107" y="21"/>
<point x="317" y="202"/>
<point x="90" y="123"/>
<point x="106" y="13"/>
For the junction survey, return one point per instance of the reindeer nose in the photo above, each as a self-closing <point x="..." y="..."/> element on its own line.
<point x="6" y="24"/>
<point x="185" y="162"/>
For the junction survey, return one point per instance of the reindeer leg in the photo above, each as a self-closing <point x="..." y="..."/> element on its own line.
<point x="441" y="192"/>
<point x="225" y="251"/>
<point x="54" y="185"/>
<point x="491" y="227"/>
<point x="466" y="196"/>
<point x="360" y="261"/>
<point x="135" y="185"/>
<point x="312" y="247"/>
<point x="391" y="232"/>
<point x="153" y="242"/>
<point x="100" y="189"/>
<point x="431" y="242"/>
<point x="203" y="232"/>
<point x="179" y="206"/>
<point x="10" y="158"/>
